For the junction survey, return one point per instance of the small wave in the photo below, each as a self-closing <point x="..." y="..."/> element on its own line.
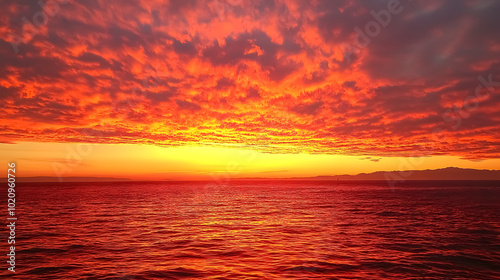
<point x="188" y="256"/>
<point x="388" y="214"/>
<point x="231" y="253"/>
<point x="177" y="273"/>
<point x="51" y="269"/>
<point x="39" y="250"/>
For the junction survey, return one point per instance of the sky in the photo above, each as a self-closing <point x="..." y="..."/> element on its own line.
<point x="196" y="89"/>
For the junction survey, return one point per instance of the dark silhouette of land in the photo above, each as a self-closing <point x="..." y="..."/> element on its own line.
<point x="449" y="173"/>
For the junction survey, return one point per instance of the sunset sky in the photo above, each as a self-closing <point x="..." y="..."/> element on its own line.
<point x="188" y="89"/>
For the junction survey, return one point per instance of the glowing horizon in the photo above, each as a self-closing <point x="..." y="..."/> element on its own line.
<point x="150" y="162"/>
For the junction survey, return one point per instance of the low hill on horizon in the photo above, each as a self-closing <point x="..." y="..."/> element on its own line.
<point x="448" y="173"/>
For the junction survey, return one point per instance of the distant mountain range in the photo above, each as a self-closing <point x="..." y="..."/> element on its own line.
<point x="449" y="173"/>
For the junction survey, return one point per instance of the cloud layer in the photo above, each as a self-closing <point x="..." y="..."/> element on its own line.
<point x="378" y="78"/>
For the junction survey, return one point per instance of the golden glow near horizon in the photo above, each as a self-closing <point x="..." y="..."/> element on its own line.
<point x="294" y="81"/>
<point x="149" y="162"/>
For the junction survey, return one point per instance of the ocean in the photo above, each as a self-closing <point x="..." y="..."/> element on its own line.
<point x="256" y="230"/>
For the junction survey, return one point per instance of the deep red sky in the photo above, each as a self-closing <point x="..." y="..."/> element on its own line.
<point x="272" y="76"/>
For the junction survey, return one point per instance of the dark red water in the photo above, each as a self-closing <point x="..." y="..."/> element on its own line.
<point x="257" y="230"/>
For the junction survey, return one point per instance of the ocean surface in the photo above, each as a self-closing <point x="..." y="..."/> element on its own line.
<point x="257" y="230"/>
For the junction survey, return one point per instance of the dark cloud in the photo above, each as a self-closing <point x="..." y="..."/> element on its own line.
<point x="421" y="43"/>
<point x="186" y="105"/>
<point x="8" y="92"/>
<point x="307" y="109"/>
<point x="93" y="58"/>
<point x="224" y="83"/>
<point x="159" y="97"/>
<point x="239" y="49"/>
<point x="350" y="84"/>
<point x="187" y="48"/>
<point x="253" y="93"/>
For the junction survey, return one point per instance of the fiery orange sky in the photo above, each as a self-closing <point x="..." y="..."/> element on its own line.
<point x="304" y="87"/>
